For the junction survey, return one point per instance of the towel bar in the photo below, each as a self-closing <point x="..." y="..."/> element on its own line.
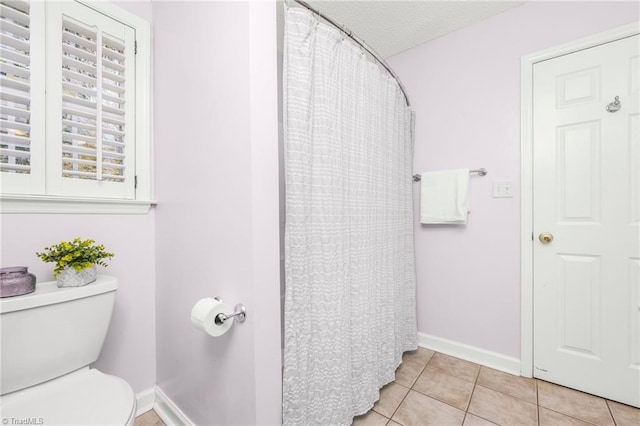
<point x="481" y="172"/>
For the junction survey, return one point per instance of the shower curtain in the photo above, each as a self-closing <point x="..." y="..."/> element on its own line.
<point x="349" y="261"/>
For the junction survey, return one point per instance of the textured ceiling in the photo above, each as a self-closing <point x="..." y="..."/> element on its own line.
<point x="392" y="26"/>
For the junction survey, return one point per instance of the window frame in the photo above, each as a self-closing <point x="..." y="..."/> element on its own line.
<point x="47" y="203"/>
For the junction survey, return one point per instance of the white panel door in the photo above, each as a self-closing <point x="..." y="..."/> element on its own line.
<point x="585" y="193"/>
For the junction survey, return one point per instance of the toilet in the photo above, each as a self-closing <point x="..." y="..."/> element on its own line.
<point x="49" y="339"/>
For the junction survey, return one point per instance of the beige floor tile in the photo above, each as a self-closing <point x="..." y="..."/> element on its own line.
<point x="624" y="415"/>
<point x="457" y="367"/>
<point x="471" y="420"/>
<point x="444" y="387"/>
<point x="408" y="372"/>
<point x="392" y="423"/>
<point x="150" y="418"/>
<point x="420" y="410"/>
<point x="370" y="419"/>
<point x="520" y="387"/>
<point x="390" y="398"/>
<point x="574" y="403"/>
<point x="551" y="418"/>
<point x="419" y="356"/>
<point x="502" y="409"/>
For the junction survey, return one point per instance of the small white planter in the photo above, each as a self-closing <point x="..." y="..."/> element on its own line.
<point x="69" y="277"/>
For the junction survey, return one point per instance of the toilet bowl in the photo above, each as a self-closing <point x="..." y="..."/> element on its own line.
<point x="49" y="338"/>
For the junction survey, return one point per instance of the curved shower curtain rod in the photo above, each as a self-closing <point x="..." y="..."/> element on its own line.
<point x="361" y="42"/>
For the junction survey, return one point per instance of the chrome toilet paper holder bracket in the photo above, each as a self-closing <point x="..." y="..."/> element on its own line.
<point x="239" y="312"/>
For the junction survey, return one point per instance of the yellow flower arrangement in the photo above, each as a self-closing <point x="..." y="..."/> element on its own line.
<point x="78" y="254"/>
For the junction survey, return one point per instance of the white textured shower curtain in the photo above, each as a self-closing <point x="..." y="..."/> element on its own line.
<point x="350" y="279"/>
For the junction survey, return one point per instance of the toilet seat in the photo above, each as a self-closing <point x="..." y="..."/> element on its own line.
<point x="83" y="397"/>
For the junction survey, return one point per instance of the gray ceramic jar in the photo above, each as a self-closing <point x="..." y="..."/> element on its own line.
<point x="16" y="281"/>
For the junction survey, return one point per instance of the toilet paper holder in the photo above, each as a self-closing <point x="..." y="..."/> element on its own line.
<point x="239" y="312"/>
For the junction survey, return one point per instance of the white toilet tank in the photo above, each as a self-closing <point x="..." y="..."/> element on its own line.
<point x="53" y="331"/>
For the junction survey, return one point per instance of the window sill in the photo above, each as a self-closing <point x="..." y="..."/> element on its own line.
<point x="48" y="204"/>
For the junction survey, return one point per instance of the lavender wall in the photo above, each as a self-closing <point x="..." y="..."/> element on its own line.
<point x="129" y="349"/>
<point x="142" y="8"/>
<point x="217" y="219"/>
<point x="465" y="89"/>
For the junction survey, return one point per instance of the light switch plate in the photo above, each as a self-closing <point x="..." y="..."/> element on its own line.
<point x="502" y="189"/>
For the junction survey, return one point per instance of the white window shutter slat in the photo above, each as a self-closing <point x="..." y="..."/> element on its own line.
<point x="96" y="152"/>
<point x="113" y="44"/>
<point x="16" y="12"/>
<point x="18" y="31"/>
<point x="21" y="97"/>
<point x="15" y="56"/>
<point x="14" y="42"/>
<point x="16" y="142"/>
<point x="113" y="88"/>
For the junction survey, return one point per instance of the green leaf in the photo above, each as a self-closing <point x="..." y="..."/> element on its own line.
<point x="79" y="254"/>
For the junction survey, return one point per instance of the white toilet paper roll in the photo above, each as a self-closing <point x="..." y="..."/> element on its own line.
<point x="203" y="316"/>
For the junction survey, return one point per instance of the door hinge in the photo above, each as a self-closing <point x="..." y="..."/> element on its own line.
<point x="532" y="236"/>
<point x="135" y="47"/>
<point x="135" y="182"/>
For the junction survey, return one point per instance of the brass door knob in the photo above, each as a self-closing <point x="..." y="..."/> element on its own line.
<point x="545" y="237"/>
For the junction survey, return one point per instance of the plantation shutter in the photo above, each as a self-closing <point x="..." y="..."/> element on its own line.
<point x="95" y="78"/>
<point x="21" y="97"/>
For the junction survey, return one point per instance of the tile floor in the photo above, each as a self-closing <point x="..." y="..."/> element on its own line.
<point x="150" y="418"/>
<point x="435" y="389"/>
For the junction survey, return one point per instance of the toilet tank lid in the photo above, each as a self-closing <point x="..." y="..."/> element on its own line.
<point x="48" y="293"/>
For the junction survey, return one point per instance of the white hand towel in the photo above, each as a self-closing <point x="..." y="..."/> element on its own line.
<point x="444" y="197"/>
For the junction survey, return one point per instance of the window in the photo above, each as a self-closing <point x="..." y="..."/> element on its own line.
<point x="75" y="132"/>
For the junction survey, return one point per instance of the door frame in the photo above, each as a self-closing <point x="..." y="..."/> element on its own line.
<point x="526" y="175"/>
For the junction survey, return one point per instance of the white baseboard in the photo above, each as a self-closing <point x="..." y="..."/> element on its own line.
<point x="145" y="401"/>
<point x="168" y="411"/>
<point x="470" y="353"/>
